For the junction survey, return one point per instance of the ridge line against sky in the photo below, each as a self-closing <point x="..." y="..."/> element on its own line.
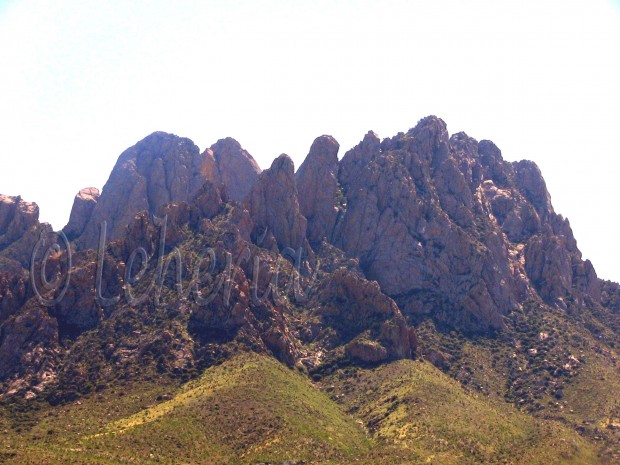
<point x="82" y="81"/>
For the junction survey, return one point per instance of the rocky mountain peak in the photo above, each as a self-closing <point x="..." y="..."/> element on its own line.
<point x="422" y="245"/>
<point x="234" y="167"/>
<point x="19" y="228"/>
<point x="283" y="166"/>
<point x="430" y="137"/>
<point x="359" y="157"/>
<point x="274" y="206"/>
<point x="16" y="215"/>
<point x="532" y="184"/>
<point x="368" y="147"/>
<point x="159" y="169"/>
<point x="417" y="227"/>
<point x="324" y="150"/>
<point x="81" y="212"/>
<point x="317" y="184"/>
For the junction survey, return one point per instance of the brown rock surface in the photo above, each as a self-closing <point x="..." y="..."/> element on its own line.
<point x="159" y="169"/>
<point x="317" y="185"/>
<point x="418" y="226"/>
<point x="366" y="351"/>
<point x="530" y="182"/>
<point x="78" y="310"/>
<point x="234" y="167"/>
<point x="83" y="206"/>
<point x="14" y="288"/>
<point x="28" y="342"/>
<point x="409" y="218"/>
<point x="352" y="305"/>
<point x="273" y="204"/>
<point x="17" y="217"/>
<point x="19" y="229"/>
<point x="442" y="224"/>
<point x="208" y="201"/>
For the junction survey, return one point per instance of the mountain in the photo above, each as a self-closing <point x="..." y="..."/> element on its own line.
<point x="417" y="300"/>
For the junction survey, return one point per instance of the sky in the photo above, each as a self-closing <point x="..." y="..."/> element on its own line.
<point x="80" y="81"/>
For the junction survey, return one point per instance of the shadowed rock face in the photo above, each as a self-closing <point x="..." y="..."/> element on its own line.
<point x="234" y="167"/>
<point x="421" y="225"/>
<point x="19" y="229"/>
<point x="28" y="347"/>
<point x="449" y="229"/>
<point x="350" y="304"/>
<point x="83" y="205"/>
<point x="317" y="185"/>
<point x="273" y="204"/>
<point x="159" y="169"/>
<point x="16" y="218"/>
<point x="28" y="334"/>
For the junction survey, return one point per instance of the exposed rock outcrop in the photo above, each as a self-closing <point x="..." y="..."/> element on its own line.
<point x="415" y="227"/>
<point x="78" y="310"/>
<point x="366" y="351"/>
<point x="273" y="205"/>
<point x="28" y="350"/>
<point x="14" y="288"/>
<point x="20" y="229"/>
<point x="449" y="229"/>
<point x="208" y="202"/>
<point x="410" y="220"/>
<point x="17" y="218"/>
<point x="359" y="312"/>
<point x="317" y="185"/>
<point x="159" y="169"/>
<point x="234" y="167"/>
<point x="83" y="205"/>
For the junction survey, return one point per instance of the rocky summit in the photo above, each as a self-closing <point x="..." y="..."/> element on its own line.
<point x="417" y="300"/>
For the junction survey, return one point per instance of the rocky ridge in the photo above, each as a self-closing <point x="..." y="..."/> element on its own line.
<point x="160" y="169"/>
<point x="419" y="226"/>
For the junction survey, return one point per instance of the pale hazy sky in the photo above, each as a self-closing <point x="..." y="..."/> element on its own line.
<point x="80" y="81"/>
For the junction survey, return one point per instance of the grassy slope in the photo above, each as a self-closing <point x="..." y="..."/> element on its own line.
<point x="427" y="417"/>
<point x="592" y="403"/>
<point x="252" y="409"/>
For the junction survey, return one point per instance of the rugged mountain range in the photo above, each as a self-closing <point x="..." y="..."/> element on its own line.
<point x="423" y="246"/>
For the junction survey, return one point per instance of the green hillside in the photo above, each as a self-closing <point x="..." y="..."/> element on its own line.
<point x="252" y="409"/>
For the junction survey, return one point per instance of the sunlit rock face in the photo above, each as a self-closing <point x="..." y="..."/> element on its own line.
<point x="450" y="229"/>
<point x="233" y="168"/>
<point x="83" y="205"/>
<point x="419" y="226"/>
<point x="317" y="184"/>
<point x="273" y="204"/>
<point x="159" y="169"/>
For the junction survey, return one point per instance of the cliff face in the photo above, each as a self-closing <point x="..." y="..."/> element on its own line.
<point x="317" y="184"/>
<point x="83" y="205"/>
<point x="19" y="229"/>
<point x="234" y="168"/>
<point x="449" y="229"/>
<point x="274" y="207"/>
<point x="160" y="169"/>
<point x="420" y="226"/>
